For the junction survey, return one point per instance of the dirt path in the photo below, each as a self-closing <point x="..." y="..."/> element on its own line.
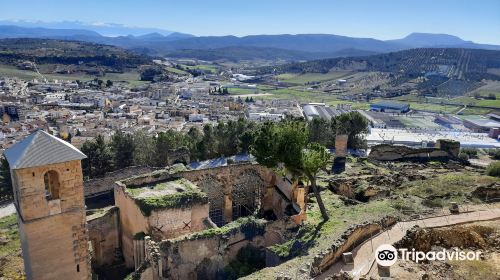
<point x="6" y="210"/>
<point x="364" y="254"/>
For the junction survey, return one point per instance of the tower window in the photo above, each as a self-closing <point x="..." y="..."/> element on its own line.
<point x="51" y="181"/>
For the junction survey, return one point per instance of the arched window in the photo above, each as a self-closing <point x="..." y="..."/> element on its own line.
<point x="51" y="181"/>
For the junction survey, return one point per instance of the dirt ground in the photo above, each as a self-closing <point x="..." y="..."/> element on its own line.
<point x="481" y="235"/>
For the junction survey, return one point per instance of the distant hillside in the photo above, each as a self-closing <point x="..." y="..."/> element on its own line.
<point x="57" y="52"/>
<point x="252" y="53"/>
<point x="10" y="31"/>
<point x="470" y="64"/>
<point x="157" y="42"/>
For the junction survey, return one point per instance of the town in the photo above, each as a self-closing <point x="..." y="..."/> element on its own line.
<point x="143" y="153"/>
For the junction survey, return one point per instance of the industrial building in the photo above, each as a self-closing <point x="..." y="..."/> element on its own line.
<point x="320" y="110"/>
<point x="390" y="107"/>
<point x="480" y="124"/>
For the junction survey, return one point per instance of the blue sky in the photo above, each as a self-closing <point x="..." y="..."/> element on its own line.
<point x="478" y="21"/>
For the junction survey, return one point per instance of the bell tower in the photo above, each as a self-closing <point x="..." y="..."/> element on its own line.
<point x="48" y="195"/>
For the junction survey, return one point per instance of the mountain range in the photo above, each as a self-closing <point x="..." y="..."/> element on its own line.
<point x="270" y="47"/>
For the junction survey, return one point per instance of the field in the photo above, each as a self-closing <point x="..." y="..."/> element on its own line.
<point x="302" y="79"/>
<point x="205" y="67"/>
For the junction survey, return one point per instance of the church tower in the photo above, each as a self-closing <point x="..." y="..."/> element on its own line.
<point x="48" y="195"/>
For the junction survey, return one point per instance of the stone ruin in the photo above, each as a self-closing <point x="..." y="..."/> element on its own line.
<point x="198" y="219"/>
<point x="443" y="150"/>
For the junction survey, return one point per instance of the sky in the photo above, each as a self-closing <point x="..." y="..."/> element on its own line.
<point x="478" y="21"/>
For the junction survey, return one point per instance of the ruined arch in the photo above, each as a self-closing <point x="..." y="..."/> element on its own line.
<point x="215" y="192"/>
<point x="246" y="193"/>
<point x="52" y="185"/>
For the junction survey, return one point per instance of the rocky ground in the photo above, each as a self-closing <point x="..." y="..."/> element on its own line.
<point x="484" y="236"/>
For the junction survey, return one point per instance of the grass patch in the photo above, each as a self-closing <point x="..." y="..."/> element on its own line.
<point x="445" y="188"/>
<point x="12" y="265"/>
<point x="184" y="195"/>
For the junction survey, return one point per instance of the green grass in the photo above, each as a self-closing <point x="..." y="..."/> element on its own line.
<point x="176" y="71"/>
<point x="205" y="67"/>
<point x="12" y="266"/>
<point x="450" y="187"/>
<point x="242" y="91"/>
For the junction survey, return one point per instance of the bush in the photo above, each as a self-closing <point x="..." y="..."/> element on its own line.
<point x="494" y="154"/>
<point x="493" y="169"/>
<point x="471" y="152"/>
<point x="463" y="156"/>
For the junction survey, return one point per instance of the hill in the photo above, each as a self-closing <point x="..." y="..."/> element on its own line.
<point x="470" y="64"/>
<point x="252" y="53"/>
<point x="77" y="56"/>
<point x="280" y="47"/>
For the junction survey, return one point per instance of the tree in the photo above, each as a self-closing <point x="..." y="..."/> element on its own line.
<point x="314" y="158"/>
<point x="166" y="141"/>
<point x="352" y="124"/>
<point x="122" y="147"/>
<point x="5" y="179"/>
<point x="285" y="144"/>
<point x="99" y="158"/>
<point x="320" y="132"/>
<point x="194" y="137"/>
<point x="144" y="148"/>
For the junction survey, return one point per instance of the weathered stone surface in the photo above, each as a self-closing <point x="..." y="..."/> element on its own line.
<point x="53" y="229"/>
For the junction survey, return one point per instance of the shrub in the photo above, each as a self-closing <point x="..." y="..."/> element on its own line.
<point x="463" y="156"/>
<point x="493" y="169"/>
<point x="471" y="152"/>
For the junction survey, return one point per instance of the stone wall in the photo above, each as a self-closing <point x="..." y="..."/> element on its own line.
<point x="53" y="231"/>
<point x="161" y="223"/>
<point x="445" y="149"/>
<point x="106" y="184"/>
<point x="351" y="238"/>
<point x="221" y="184"/>
<point x="205" y="256"/>
<point x="104" y="235"/>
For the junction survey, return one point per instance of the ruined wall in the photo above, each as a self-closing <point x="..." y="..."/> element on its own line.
<point x="132" y="221"/>
<point x="181" y="155"/>
<point x="223" y="186"/>
<point x="106" y="184"/>
<point x="53" y="232"/>
<point x="205" y="256"/>
<point x="348" y="241"/>
<point x="170" y="223"/>
<point x="161" y="223"/>
<point x="104" y="235"/>
<point x="445" y="149"/>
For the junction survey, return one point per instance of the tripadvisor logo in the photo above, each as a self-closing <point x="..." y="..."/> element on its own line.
<point x="387" y="255"/>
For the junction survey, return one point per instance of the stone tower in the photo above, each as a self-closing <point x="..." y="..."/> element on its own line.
<point x="48" y="194"/>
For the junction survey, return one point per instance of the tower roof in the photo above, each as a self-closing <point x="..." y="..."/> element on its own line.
<point x="41" y="148"/>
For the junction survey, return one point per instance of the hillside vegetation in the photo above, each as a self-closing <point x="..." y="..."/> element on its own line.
<point x="470" y="64"/>
<point x="82" y="57"/>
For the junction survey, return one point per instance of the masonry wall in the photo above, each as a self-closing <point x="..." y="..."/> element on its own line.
<point x="53" y="232"/>
<point x="161" y="223"/>
<point x="104" y="235"/>
<point x="193" y="258"/>
<point x="106" y="184"/>
<point x="132" y="221"/>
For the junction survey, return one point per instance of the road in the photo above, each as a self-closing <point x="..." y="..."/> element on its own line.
<point x="364" y="253"/>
